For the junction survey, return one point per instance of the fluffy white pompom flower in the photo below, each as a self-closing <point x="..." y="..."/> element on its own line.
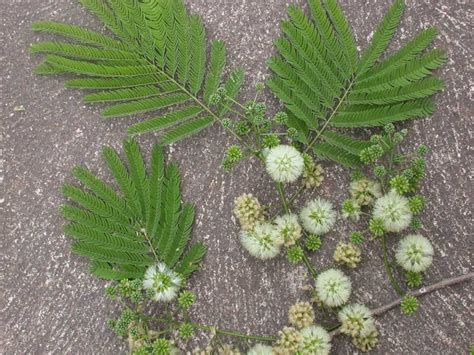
<point x="333" y="287"/>
<point x="315" y="340"/>
<point x="163" y="282"/>
<point x="263" y="241"/>
<point x="414" y="253"/>
<point x="289" y="229"/>
<point x="354" y="318"/>
<point x="318" y="216"/>
<point x="394" y="210"/>
<point x="260" y="349"/>
<point x="284" y="163"/>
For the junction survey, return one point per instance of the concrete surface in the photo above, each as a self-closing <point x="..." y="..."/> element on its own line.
<point x="50" y="304"/>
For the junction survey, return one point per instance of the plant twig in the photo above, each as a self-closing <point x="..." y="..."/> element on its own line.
<point x="388" y="267"/>
<point x="418" y="293"/>
<point x="425" y="290"/>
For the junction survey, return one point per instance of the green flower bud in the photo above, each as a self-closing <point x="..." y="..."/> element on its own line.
<point x="414" y="279"/>
<point x="313" y="242"/>
<point x="376" y="227"/>
<point x="281" y="118"/>
<point x="357" y="237"/>
<point x="295" y="254"/>
<point x="186" y="299"/>
<point x="409" y="305"/>
<point x="271" y="141"/>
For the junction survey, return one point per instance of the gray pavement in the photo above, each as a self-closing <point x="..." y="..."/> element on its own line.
<point x="50" y="304"/>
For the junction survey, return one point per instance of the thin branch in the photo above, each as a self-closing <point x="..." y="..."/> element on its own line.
<point x="418" y="293"/>
<point x="425" y="290"/>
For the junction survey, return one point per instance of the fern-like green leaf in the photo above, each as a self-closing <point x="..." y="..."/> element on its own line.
<point x="122" y="233"/>
<point x="191" y="260"/>
<point x="185" y="130"/>
<point x="339" y="155"/>
<point x="325" y="84"/>
<point x="165" y="121"/>
<point x="216" y="68"/>
<point x="157" y="59"/>
<point x="106" y="271"/>
<point x="382" y="37"/>
<point x="366" y="116"/>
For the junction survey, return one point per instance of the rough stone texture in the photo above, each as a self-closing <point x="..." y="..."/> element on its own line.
<point x="51" y="304"/>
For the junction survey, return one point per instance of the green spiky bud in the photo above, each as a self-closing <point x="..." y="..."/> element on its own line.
<point x="186" y="330"/>
<point x="161" y="346"/>
<point x="389" y="128"/>
<point x="292" y="133"/>
<point x="417" y="203"/>
<point x="409" y="305"/>
<point x="186" y="299"/>
<point x="295" y="254"/>
<point x="414" y="279"/>
<point x="227" y="123"/>
<point x="313" y="242"/>
<point x="242" y="128"/>
<point x="271" y="141"/>
<point x="379" y="171"/>
<point x="400" y="184"/>
<point x="371" y="154"/>
<point x="281" y="118"/>
<point x="376" y="227"/>
<point x="357" y="237"/>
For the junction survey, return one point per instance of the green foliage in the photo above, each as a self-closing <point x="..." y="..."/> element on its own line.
<point x="409" y="305"/>
<point x="414" y="279"/>
<point x="313" y="242"/>
<point x="156" y="60"/>
<point x="325" y="84"/>
<point x="123" y="233"/>
<point x="295" y="254"/>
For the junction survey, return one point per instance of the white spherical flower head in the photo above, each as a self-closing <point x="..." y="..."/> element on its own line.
<point x="262" y="242"/>
<point x="163" y="282"/>
<point x="333" y="287"/>
<point x="414" y="253"/>
<point x="284" y="163"/>
<point x="289" y="229"/>
<point x="394" y="210"/>
<point x="318" y="216"/>
<point x="260" y="349"/>
<point x="315" y="340"/>
<point x="354" y="318"/>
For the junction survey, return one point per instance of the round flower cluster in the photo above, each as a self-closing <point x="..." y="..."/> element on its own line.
<point x="248" y="211"/>
<point x="289" y="340"/>
<point x="364" y="191"/>
<point x="260" y="349"/>
<point x="312" y="174"/>
<point x="394" y="211"/>
<point x="262" y="242"/>
<point x="414" y="253"/>
<point x="354" y="318"/>
<point x="289" y="229"/>
<point x="318" y="216"/>
<point x="351" y="210"/>
<point x="347" y="254"/>
<point x="314" y="340"/>
<point x="161" y="282"/>
<point x="367" y="339"/>
<point x="284" y="163"/>
<point x="333" y="287"/>
<point x="301" y="315"/>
